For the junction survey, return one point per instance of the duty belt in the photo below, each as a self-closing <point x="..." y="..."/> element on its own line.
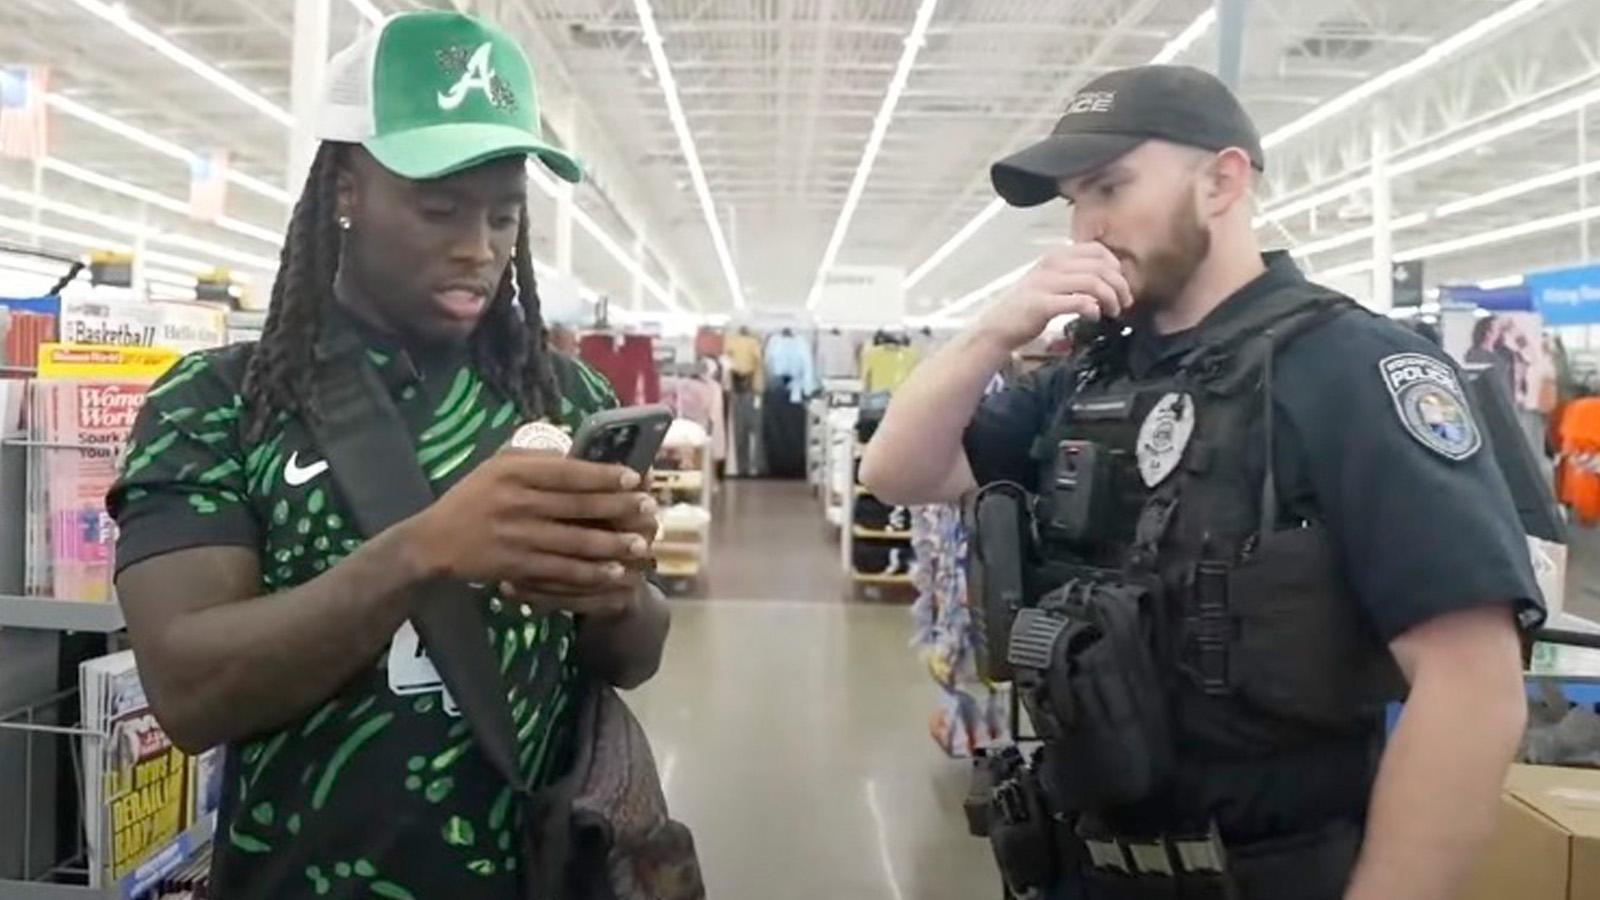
<point x="1167" y="856"/>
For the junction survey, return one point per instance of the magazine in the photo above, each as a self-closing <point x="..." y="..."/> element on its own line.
<point x="135" y="781"/>
<point x="82" y="408"/>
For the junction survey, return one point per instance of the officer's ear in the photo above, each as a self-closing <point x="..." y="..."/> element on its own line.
<point x="1226" y="182"/>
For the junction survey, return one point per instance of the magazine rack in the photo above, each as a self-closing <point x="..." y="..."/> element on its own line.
<point x="41" y="737"/>
<point x="44" y="722"/>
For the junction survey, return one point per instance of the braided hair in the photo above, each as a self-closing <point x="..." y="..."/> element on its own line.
<point x="507" y="347"/>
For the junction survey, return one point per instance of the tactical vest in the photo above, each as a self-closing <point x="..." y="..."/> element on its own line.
<point x="1256" y="633"/>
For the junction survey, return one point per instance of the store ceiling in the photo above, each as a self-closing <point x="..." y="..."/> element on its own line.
<point x="780" y="97"/>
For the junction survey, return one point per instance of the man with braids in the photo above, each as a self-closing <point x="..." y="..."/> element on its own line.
<point x="264" y="622"/>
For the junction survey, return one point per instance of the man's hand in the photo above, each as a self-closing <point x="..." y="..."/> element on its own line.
<point x="1082" y="279"/>
<point x="546" y="523"/>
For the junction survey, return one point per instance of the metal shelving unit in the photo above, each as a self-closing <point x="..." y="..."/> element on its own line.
<point x="50" y="614"/>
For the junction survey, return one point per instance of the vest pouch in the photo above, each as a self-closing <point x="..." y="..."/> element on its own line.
<point x="1295" y="626"/>
<point x="1114" y="744"/>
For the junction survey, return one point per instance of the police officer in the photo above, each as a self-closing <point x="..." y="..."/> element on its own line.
<point x="1275" y="507"/>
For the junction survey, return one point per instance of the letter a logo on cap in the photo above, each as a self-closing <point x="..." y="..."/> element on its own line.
<point x="479" y="76"/>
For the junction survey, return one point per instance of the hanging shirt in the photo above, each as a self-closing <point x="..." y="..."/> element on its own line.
<point x="789" y="356"/>
<point x="838" y="354"/>
<point x="380" y="790"/>
<point x="744" y="362"/>
<point x="628" y="362"/>
<point x="709" y="342"/>
<point x="699" y="400"/>
<point x="1578" y="476"/>
<point x="884" y="367"/>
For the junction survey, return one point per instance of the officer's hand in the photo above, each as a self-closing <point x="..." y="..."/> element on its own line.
<point x="538" y="520"/>
<point x="1083" y="279"/>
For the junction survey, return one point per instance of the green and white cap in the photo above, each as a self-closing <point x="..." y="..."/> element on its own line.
<point x="431" y="93"/>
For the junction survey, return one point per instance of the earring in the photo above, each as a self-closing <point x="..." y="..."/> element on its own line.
<point x="344" y="223"/>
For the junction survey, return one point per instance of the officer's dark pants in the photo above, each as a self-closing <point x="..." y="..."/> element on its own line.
<point x="1315" y="866"/>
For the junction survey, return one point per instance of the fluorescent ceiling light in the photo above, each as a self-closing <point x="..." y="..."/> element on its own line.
<point x="1168" y="53"/>
<point x="607" y="243"/>
<point x="680" y="124"/>
<point x="961" y="305"/>
<point x="988" y="212"/>
<point x="159" y="200"/>
<point x="118" y="15"/>
<point x="1495" y="284"/>
<point x="365" y="8"/>
<point x="1474" y="241"/>
<point x="1467" y="204"/>
<point x="160" y="145"/>
<point x="1429" y="58"/>
<point x="1470" y="141"/>
<point x="1186" y="38"/>
<point x="880" y="127"/>
<point x="98" y="242"/>
<point x="222" y="252"/>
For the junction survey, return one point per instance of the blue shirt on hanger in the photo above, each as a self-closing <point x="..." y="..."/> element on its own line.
<point x="789" y="356"/>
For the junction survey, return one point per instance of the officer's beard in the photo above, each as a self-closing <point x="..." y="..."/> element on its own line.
<point x="1169" y="268"/>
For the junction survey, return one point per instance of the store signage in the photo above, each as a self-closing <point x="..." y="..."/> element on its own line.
<point x="1407" y="281"/>
<point x="864" y="295"/>
<point x="1567" y="296"/>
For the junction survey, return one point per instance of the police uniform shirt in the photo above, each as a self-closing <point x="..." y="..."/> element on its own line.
<point x="1401" y="477"/>
<point x="380" y="791"/>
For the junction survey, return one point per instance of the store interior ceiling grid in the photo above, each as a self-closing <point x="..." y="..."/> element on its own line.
<point x="780" y="97"/>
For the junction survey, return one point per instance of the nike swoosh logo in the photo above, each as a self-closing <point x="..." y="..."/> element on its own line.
<point x="296" y="475"/>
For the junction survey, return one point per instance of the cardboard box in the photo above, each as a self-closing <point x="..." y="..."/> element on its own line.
<point x="1548" y="843"/>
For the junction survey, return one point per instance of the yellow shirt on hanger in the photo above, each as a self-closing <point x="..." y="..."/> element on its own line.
<point x="884" y="367"/>
<point x="744" y="358"/>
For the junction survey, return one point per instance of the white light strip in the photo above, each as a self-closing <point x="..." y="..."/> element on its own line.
<point x="161" y="201"/>
<point x="86" y="241"/>
<point x="1429" y="58"/>
<point x="968" y="230"/>
<point x="1498" y="284"/>
<point x="607" y="243"/>
<point x="1474" y="241"/>
<point x="1169" y="52"/>
<point x="880" y="127"/>
<point x="1463" y="144"/>
<point x="1004" y="281"/>
<point x="1357" y="236"/>
<point x="366" y="9"/>
<point x="680" y="124"/>
<point x="154" y="235"/>
<point x="118" y="15"/>
<point x="160" y="145"/>
<point x="1467" y="204"/>
<point x="1186" y="38"/>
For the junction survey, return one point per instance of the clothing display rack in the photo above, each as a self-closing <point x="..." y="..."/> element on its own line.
<point x="859" y="539"/>
<point x="684" y="482"/>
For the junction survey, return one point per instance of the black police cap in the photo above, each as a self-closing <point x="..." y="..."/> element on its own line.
<point x="1116" y="113"/>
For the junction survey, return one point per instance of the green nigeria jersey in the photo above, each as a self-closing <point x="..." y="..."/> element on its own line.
<point x="379" y="791"/>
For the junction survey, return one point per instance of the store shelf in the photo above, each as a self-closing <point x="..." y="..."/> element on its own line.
<point x="879" y="535"/>
<point x="679" y="481"/>
<point x="859" y="578"/>
<point x="49" y="614"/>
<point x="137" y="883"/>
<point x="672" y="569"/>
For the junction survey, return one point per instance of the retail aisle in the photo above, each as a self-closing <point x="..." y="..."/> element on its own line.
<point x="792" y="737"/>
<point x="769" y="542"/>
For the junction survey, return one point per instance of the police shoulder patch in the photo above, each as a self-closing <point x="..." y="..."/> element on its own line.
<point x="1432" y="406"/>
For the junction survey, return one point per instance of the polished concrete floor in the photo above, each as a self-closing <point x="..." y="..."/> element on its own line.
<point x="770" y="542"/>
<point x="791" y="727"/>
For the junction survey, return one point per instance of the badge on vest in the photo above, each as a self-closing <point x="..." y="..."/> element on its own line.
<point x="1164" y="436"/>
<point x="1431" y="404"/>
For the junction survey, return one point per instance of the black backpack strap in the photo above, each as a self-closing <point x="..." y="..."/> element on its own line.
<point x="369" y="451"/>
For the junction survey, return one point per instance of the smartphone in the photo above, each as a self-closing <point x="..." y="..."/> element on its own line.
<point x="630" y="436"/>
